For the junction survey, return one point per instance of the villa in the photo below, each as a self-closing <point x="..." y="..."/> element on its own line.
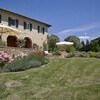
<point x="33" y="31"/>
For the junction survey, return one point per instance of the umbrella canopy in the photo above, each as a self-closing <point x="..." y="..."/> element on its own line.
<point x="8" y="30"/>
<point x="64" y="43"/>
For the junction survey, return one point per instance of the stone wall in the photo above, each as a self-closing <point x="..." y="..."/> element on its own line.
<point x="15" y="51"/>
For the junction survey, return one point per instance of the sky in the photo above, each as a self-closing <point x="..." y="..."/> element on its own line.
<point x="80" y="18"/>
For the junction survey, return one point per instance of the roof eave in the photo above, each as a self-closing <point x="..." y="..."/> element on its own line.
<point x="48" y="25"/>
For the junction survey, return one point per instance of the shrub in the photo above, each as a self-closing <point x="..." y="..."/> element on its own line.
<point x="21" y="43"/>
<point x="2" y="44"/>
<point x="4" y="58"/>
<point x="57" y="53"/>
<point x="2" y="63"/>
<point x="70" y="49"/>
<point x="98" y="55"/>
<point x="35" y="46"/>
<point x="39" y="58"/>
<point x="27" y="62"/>
<point x="77" y="54"/>
<point x="70" y="55"/>
<point x="61" y="47"/>
<point x="83" y="54"/>
<point x="92" y="54"/>
<point x="34" y="64"/>
<point x="80" y="54"/>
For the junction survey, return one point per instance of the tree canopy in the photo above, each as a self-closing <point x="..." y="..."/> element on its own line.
<point x="52" y="40"/>
<point x="75" y="40"/>
<point x="94" y="45"/>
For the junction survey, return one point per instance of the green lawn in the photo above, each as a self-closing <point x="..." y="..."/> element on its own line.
<point x="61" y="79"/>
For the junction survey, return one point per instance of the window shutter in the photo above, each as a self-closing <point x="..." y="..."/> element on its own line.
<point x="38" y="29"/>
<point x="0" y="18"/>
<point x="30" y="27"/>
<point x="24" y="25"/>
<point x="9" y="21"/>
<point x="17" y="22"/>
<point x="43" y="30"/>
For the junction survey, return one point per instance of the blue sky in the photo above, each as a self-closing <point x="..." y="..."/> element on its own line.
<point x="67" y="17"/>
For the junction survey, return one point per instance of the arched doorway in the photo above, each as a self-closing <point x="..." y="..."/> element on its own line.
<point x="12" y="41"/>
<point x="28" y="42"/>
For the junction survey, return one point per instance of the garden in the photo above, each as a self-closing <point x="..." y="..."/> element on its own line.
<point x="20" y="63"/>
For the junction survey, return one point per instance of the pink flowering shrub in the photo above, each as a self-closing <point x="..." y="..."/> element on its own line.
<point x="4" y="57"/>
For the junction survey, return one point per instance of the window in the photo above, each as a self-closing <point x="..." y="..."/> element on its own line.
<point x="0" y="18"/>
<point x="13" y="22"/>
<point x="38" y="29"/>
<point x="46" y="29"/>
<point x="43" y="30"/>
<point x="28" y="26"/>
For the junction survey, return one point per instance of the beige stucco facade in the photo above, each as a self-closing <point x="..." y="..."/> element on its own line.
<point x="37" y="38"/>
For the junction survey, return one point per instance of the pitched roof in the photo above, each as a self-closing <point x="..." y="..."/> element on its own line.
<point x="48" y="25"/>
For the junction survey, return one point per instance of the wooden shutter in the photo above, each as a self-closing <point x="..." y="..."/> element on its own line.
<point x="9" y="21"/>
<point x="30" y="27"/>
<point x="24" y="25"/>
<point x="17" y="22"/>
<point x="0" y="18"/>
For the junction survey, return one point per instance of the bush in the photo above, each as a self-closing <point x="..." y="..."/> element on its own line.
<point x="35" y="46"/>
<point x="21" y="43"/>
<point x="70" y="49"/>
<point x="98" y="55"/>
<point x="39" y="58"/>
<point x="70" y="55"/>
<point x="27" y="62"/>
<point x="92" y="54"/>
<point x="2" y="44"/>
<point x="77" y="54"/>
<point x="34" y="64"/>
<point x="57" y="53"/>
<point x="2" y="63"/>
<point x="83" y="54"/>
<point x="4" y="58"/>
<point x="80" y="54"/>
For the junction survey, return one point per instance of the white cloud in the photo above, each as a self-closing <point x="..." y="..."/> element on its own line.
<point x="84" y="37"/>
<point x="80" y="28"/>
<point x="85" y="33"/>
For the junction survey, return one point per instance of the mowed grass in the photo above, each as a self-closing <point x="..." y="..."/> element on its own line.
<point x="61" y="79"/>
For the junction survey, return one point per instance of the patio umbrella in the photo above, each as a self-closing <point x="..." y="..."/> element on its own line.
<point x="64" y="43"/>
<point x="8" y="30"/>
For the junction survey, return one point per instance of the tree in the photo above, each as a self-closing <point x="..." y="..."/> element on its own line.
<point x="83" y="44"/>
<point x="75" y="40"/>
<point x="87" y="42"/>
<point x="94" y="45"/>
<point x="52" y="40"/>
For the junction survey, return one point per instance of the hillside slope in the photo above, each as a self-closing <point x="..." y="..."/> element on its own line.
<point x="61" y="79"/>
